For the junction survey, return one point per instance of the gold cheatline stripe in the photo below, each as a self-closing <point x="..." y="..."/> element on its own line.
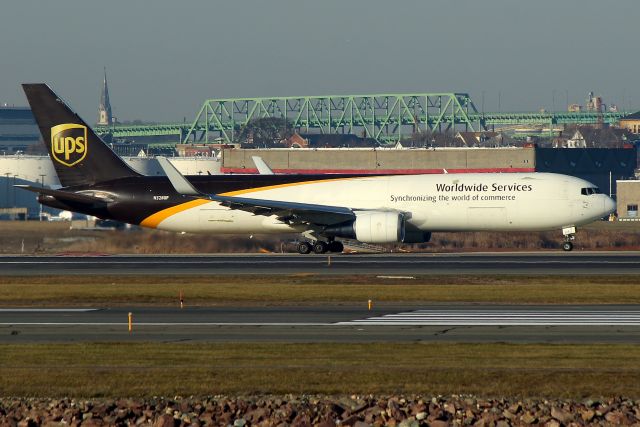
<point x="152" y="221"/>
<point x="290" y="184"/>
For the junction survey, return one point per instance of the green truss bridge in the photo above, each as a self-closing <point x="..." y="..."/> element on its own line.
<point x="385" y="117"/>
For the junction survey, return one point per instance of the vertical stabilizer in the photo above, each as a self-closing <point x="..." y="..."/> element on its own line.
<point x="79" y="156"/>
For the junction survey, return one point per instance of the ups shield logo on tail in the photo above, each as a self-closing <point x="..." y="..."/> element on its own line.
<point x="69" y="143"/>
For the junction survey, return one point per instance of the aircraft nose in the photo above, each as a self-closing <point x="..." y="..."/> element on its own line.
<point x="609" y="205"/>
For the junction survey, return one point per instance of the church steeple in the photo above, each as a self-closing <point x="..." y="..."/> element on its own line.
<point x="104" y="109"/>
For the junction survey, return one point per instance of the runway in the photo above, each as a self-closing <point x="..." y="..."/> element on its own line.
<point x="575" y="263"/>
<point x="391" y="323"/>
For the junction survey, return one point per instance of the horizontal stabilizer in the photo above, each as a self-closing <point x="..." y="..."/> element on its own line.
<point x="63" y="195"/>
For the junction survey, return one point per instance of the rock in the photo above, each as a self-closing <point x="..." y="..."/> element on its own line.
<point x="361" y="424"/>
<point x="616" y="418"/>
<point x="301" y="421"/>
<point x="587" y="415"/>
<point x="350" y="421"/>
<point x="438" y="423"/>
<point x="409" y="423"/>
<point x="509" y="415"/>
<point x="552" y="423"/>
<point x="450" y="408"/>
<point x="528" y="418"/>
<point x="421" y="416"/>
<point x="165" y="420"/>
<point x="561" y="415"/>
<point x="515" y="408"/>
<point x="503" y="423"/>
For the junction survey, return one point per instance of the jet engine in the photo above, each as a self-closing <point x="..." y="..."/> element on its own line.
<point x="371" y="227"/>
<point x="378" y="227"/>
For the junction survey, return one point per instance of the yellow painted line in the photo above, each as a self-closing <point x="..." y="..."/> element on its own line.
<point x="154" y="220"/>
<point x="290" y="184"/>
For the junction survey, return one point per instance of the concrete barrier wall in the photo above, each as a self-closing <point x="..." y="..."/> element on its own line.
<point x="375" y="161"/>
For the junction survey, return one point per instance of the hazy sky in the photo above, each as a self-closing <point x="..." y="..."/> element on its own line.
<point x="165" y="57"/>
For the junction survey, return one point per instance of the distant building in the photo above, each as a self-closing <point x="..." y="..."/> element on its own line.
<point x="18" y="130"/>
<point x="200" y="150"/>
<point x="590" y="137"/>
<point x="104" y="109"/>
<point x="631" y="123"/>
<point x="429" y="140"/>
<point x="628" y="199"/>
<point x="479" y="139"/>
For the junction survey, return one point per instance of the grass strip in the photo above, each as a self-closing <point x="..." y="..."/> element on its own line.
<point x="98" y="291"/>
<point x="148" y="369"/>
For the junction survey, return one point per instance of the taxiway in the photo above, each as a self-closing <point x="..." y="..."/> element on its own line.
<point x="575" y="263"/>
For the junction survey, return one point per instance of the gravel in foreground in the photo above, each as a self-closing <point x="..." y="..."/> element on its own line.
<point x="320" y="411"/>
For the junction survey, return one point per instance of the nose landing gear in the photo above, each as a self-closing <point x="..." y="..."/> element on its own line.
<point x="567" y="246"/>
<point x="569" y="236"/>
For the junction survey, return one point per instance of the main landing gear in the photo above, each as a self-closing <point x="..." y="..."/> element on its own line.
<point x="320" y="247"/>
<point x="569" y="236"/>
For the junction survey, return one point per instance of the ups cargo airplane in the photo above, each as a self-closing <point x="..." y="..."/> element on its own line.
<point x="370" y="209"/>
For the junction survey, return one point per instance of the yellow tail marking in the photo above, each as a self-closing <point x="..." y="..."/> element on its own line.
<point x="154" y="220"/>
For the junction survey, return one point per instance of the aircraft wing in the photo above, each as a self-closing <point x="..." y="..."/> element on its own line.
<point x="290" y="212"/>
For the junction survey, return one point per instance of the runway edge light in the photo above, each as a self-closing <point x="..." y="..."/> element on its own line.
<point x="130" y="317"/>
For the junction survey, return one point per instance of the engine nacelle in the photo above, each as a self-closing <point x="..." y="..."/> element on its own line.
<point x="379" y="227"/>
<point x="371" y="227"/>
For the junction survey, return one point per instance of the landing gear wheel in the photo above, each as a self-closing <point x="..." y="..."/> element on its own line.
<point x="320" y="247"/>
<point x="567" y="246"/>
<point x="335" y="246"/>
<point x="304" y="248"/>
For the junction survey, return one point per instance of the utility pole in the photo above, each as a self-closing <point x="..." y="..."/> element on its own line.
<point x="8" y="174"/>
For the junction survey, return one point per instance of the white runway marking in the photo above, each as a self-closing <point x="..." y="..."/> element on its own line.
<point x="503" y="318"/>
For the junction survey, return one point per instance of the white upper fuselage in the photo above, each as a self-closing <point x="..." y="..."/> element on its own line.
<point x="443" y="202"/>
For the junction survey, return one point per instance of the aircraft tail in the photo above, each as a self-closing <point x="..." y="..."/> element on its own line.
<point x="79" y="156"/>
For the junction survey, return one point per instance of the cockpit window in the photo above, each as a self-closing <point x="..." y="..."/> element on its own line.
<point x="589" y="191"/>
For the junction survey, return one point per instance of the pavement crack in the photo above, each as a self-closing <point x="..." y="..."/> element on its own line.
<point x="444" y="331"/>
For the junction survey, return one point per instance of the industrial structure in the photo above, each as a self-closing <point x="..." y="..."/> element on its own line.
<point x="384" y="117"/>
